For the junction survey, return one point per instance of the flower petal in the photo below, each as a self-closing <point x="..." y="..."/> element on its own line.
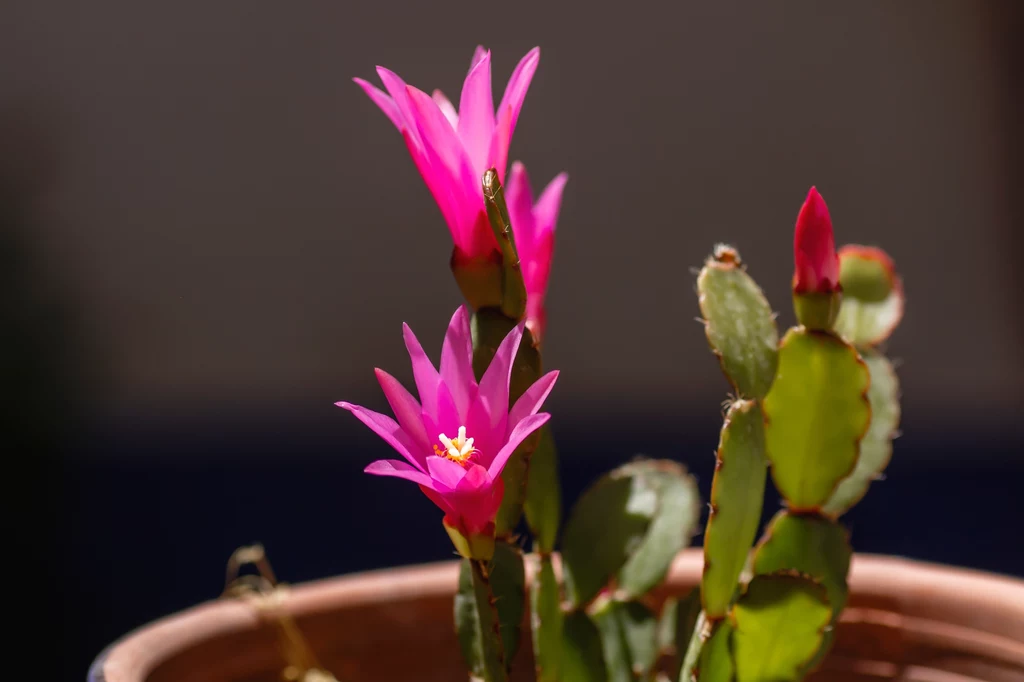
<point x="398" y="90"/>
<point x="478" y="54"/>
<point x="529" y="403"/>
<point x="423" y="372"/>
<point x="445" y="473"/>
<point x="408" y="412"/>
<point x="476" y="113"/>
<point x="519" y="197"/>
<point x="457" y="361"/>
<point x="382" y="100"/>
<point x="515" y="93"/>
<point x="445" y="151"/>
<point x="497" y="155"/>
<point x="494" y="383"/>
<point x="446" y="107"/>
<point x="398" y="469"/>
<point x="385" y="427"/>
<point x="518" y="435"/>
<point x="546" y="210"/>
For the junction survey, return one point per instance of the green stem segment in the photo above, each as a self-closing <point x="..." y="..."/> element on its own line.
<point x="488" y="647"/>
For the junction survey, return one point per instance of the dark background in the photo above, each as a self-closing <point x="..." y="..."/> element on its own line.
<point x="208" y="235"/>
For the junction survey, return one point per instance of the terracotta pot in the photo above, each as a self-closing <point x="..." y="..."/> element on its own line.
<point x="906" y="621"/>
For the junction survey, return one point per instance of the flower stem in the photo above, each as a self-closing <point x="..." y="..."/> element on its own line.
<point x="492" y="650"/>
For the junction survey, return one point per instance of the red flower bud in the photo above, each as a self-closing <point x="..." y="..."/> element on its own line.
<point x="814" y="249"/>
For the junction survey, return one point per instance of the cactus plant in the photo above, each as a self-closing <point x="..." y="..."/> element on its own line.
<point x="817" y="409"/>
<point x="830" y="408"/>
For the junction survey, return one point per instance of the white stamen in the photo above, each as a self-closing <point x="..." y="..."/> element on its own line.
<point x="456" y="448"/>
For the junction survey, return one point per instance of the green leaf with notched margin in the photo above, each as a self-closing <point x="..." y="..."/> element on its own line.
<point x="629" y="524"/>
<point x="582" y="655"/>
<point x="546" y="622"/>
<point x="507" y="579"/>
<point x="811" y="545"/>
<point x="876" y="446"/>
<point x="739" y="323"/>
<point x="675" y="628"/>
<point x="737" y="497"/>
<point x="671" y="529"/>
<point x="708" y="658"/>
<point x="543" y="505"/>
<point x="873" y="298"/>
<point x="778" y="623"/>
<point x="815" y="416"/>
<point x="629" y="633"/>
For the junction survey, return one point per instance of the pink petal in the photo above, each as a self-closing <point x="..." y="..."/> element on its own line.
<point x="476" y="478"/>
<point x="446" y="154"/>
<point x="550" y="202"/>
<point x="398" y="90"/>
<point x="519" y="197"/>
<point x="408" y="412"/>
<point x="386" y="104"/>
<point x="518" y="435"/>
<point x="449" y="419"/>
<point x="437" y="180"/>
<point x="398" y="469"/>
<point x="423" y="372"/>
<point x="457" y="361"/>
<point x="383" y="426"/>
<point x="497" y="155"/>
<point x="515" y="92"/>
<point x="446" y="107"/>
<point x="476" y="113"/>
<point x="529" y="403"/>
<point x="478" y="54"/>
<point x="494" y="383"/>
<point x="445" y="473"/>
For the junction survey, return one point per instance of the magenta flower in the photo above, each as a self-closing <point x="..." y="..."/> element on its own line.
<point x="533" y="225"/>
<point x="452" y="150"/>
<point x="457" y="438"/>
<point x="814" y="248"/>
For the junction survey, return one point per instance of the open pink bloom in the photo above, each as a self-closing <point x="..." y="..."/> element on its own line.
<point x="533" y="225"/>
<point x="814" y="248"/>
<point x="452" y="149"/>
<point x="457" y="438"/>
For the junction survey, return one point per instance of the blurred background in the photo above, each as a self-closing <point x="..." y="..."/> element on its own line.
<point x="208" y="235"/>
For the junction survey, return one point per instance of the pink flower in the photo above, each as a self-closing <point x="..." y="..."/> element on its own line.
<point x="814" y="249"/>
<point x="457" y="438"/>
<point x="533" y="226"/>
<point x="452" y="150"/>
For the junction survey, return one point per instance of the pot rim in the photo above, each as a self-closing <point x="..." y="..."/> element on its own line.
<point x="893" y="580"/>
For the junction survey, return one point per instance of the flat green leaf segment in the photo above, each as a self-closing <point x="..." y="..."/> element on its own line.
<point x="737" y="497"/>
<point x="543" y="504"/>
<point x="629" y="637"/>
<point x="868" y="324"/>
<point x="876" y="446"/>
<point x="816" y="414"/>
<point x="671" y="529"/>
<point x="708" y="658"/>
<point x="739" y="324"/>
<point x="629" y="524"/>
<point x="582" y="656"/>
<point x="546" y="621"/>
<point x="675" y="628"/>
<point x="777" y="627"/>
<point x="811" y="545"/>
<point x="476" y="618"/>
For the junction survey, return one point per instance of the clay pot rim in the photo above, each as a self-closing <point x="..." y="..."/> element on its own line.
<point x="136" y="655"/>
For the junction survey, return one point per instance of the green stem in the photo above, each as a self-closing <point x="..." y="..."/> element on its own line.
<point x="491" y="648"/>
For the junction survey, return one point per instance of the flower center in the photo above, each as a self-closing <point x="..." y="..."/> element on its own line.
<point x="459" y="449"/>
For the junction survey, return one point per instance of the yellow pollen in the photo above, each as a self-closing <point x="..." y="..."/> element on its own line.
<point x="458" y="449"/>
